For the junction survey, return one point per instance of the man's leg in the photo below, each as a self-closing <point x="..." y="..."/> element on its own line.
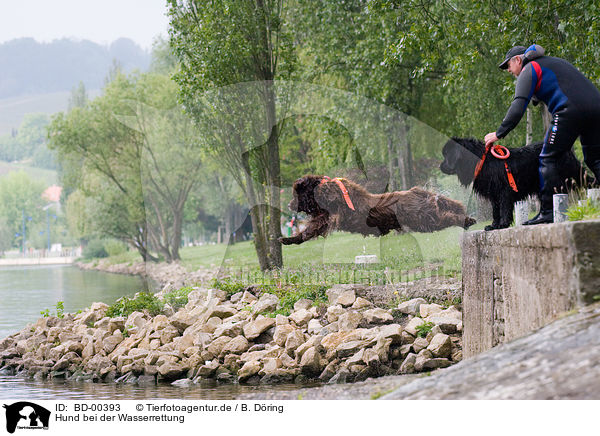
<point x="559" y="139"/>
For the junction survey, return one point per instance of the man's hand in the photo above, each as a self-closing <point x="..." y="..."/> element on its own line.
<point x="490" y="138"/>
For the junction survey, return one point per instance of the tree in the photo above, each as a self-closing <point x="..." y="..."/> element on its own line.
<point x="139" y="159"/>
<point x="20" y="205"/>
<point x="220" y="44"/>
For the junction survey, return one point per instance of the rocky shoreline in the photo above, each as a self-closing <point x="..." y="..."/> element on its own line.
<point x="242" y="338"/>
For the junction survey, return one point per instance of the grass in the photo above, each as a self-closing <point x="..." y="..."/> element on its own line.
<point x="402" y="257"/>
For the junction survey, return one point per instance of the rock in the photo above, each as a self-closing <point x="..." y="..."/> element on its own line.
<point x="270" y="365"/>
<point x="346" y="298"/>
<point x="334" y="312"/>
<point x="237" y="345"/>
<point x="301" y="317"/>
<point x="419" y="344"/>
<point x="440" y="345"/>
<point x="313" y="341"/>
<point x="281" y="333"/>
<point x="136" y="319"/>
<point x="411" y="307"/>
<point x="208" y="369"/>
<point x="236" y="297"/>
<point x="412" y="325"/>
<point x="377" y="316"/>
<point x="170" y="371"/>
<point x="253" y="330"/>
<point x="311" y="362"/>
<point x="266" y="303"/>
<point x="248" y="370"/>
<point x="303" y="303"/>
<point x="391" y="331"/>
<point x="216" y="347"/>
<point x="422" y="357"/>
<point x="434" y="331"/>
<point x="357" y="358"/>
<point x="222" y="311"/>
<point x="183" y="383"/>
<point x="336" y="290"/>
<point x="248" y="298"/>
<point x="328" y="372"/>
<point x="111" y="342"/>
<point x="314" y="327"/>
<point x="361" y="303"/>
<point x="211" y="325"/>
<point x="346" y="349"/>
<point x="65" y="361"/>
<point x="446" y="324"/>
<point x="436" y="363"/>
<point x="281" y="319"/>
<point x="427" y="310"/>
<point x="382" y="348"/>
<point x="231" y="329"/>
<point x="293" y="341"/>
<point x="408" y="365"/>
<point x="350" y="321"/>
<point x="167" y="334"/>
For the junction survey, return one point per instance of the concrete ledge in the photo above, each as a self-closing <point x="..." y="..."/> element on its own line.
<point x="519" y="279"/>
<point x="25" y="261"/>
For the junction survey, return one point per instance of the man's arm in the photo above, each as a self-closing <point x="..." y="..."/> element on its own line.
<point x="524" y="89"/>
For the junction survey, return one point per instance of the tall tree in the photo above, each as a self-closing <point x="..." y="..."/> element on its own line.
<point x="227" y="42"/>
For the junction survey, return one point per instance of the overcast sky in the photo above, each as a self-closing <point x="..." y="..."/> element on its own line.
<point x="101" y="21"/>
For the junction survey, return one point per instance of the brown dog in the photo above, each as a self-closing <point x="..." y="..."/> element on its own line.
<point x="339" y="204"/>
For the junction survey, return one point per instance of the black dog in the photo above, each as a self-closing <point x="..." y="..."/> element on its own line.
<point x="461" y="156"/>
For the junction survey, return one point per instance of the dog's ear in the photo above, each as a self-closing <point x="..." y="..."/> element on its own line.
<point x="328" y="196"/>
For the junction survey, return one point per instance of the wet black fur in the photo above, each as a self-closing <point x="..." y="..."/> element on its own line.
<point x="461" y="156"/>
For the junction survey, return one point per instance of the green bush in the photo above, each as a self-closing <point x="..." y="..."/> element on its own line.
<point x="179" y="297"/>
<point x="125" y="306"/>
<point x="229" y="287"/>
<point x="587" y="211"/>
<point x="94" y="249"/>
<point x="424" y="328"/>
<point x="114" y="247"/>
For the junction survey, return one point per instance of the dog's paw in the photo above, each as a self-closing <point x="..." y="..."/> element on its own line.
<point x="488" y="228"/>
<point x="285" y="241"/>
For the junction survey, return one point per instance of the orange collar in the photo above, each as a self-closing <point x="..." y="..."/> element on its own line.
<point x="338" y="181"/>
<point x="499" y="152"/>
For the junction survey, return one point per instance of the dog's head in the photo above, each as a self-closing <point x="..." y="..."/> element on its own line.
<point x="304" y="195"/>
<point x="461" y="156"/>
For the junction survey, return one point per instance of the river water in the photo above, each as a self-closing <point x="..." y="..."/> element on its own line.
<point x="26" y="291"/>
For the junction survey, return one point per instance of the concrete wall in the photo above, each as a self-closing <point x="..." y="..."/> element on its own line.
<point x="519" y="279"/>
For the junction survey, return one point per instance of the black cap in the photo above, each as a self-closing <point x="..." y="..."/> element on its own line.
<point x="515" y="51"/>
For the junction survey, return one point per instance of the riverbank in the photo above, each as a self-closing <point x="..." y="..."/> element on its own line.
<point x="35" y="261"/>
<point x="241" y="338"/>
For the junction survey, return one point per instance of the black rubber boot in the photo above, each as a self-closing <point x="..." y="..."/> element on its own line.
<point x="543" y="217"/>
<point x="549" y="181"/>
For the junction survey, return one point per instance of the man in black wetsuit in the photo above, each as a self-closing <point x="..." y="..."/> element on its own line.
<point x="574" y="103"/>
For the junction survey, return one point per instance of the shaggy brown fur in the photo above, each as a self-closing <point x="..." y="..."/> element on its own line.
<point x="375" y="214"/>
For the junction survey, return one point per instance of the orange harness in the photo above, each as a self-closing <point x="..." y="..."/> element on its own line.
<point x="499" y="152"/>
<point x="338" y="181"/>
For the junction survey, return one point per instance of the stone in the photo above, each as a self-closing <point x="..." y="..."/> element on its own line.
<point x="303" y="303"/>
<point x="336" y="290"/>
<point x="253" y="330"/>
<point x="446" y="324"/>
<point x="170" y="371"/>
<point x="237" y="345"/>
<point x="211" y="325"/>
<point x="248" y="370"/>
<point x="334" y="312"/>
<point x="265" y="304"/>
<point x="349" y="320"/>
<point x="216" y="347"/>
<point x="377" y="316"/>
<point x="346" y="298"/>
<point x="236" y="297"/>
<point x="314" y="327"/>
<point x="427" y="310"/>
<point x="419" y="344"/>
<point x="111" y="342"/>
<point x="301" y="317"/>
<point x="393" y="332"/>
<point x="208" y="369"/>
<point x="372" y="358"/>
<point x="346" y="349"/>
<point x="411" y="307"/>
<point x="293" y="341"/>
<point x="281" y="319"/>
<point x="357" y="358"/>
<point x="311" y="362"/>
<point x="422" y="357"/>
<point x="230" y="329"/>
<point x="281" y="333"/>
<point x="270" y="365"/>
<point x="167" y="334"/>
<point x="222" y="311"/>
<point x="136" y="319"/>
<point x="248" y="298"/>
<point x="412" y="325"/>
<point x="313" y="341"/>
<point x="408" y="365"/>
<point x="436" y="363"/>
<point x="440" y="346"/>
<point x="361" y="303"/>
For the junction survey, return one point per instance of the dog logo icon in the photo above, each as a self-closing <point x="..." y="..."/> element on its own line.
<point x="26" y="415"/>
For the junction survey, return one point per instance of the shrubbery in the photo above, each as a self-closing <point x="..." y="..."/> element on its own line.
<point x="125" y="306"/>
